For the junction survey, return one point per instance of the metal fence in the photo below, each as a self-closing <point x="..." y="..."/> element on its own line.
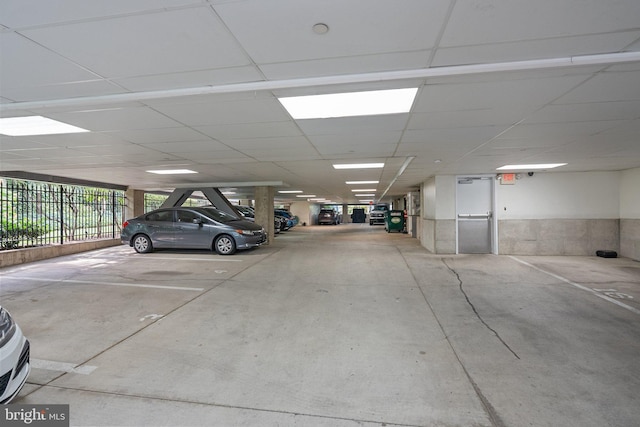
<point x="37" y="213"/>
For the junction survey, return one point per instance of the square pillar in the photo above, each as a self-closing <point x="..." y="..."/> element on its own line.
<point x="264" y="210"/>
<point x="134" y="203"/>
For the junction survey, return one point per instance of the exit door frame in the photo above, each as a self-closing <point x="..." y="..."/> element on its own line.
<point x="494" y="216"/>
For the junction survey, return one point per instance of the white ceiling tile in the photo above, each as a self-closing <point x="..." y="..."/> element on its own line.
<point x="615" y="110"/>
<point x="507" y="95"/>
<point x="561" y="132"/>
<point x="172" y="41"/>
<point x="353" y="125"/>
<point x="23" y="78"/>
<point x="346" y="65"/>
<point x="190" y="79"/>
<point x="250" y="130"/>
<point x="588" y="115"/>
<point x="493" y="21"/>
<point x="534" y="49"/>
<point x="116" y="119"/>
<point x="159" y="135"/>
<point x="189" y="147"/>
<point x="610" y="86"/>
<point x="226" y="113"/>
<point x="365" y="24"/>
<point x="41" y="13"/>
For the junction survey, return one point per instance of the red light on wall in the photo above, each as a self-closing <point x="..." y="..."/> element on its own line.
<point x="508" y="178"/>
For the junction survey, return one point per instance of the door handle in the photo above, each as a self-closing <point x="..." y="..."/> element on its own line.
<point x="475" y="216"/>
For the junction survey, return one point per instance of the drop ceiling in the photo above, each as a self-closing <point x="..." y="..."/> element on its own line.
<point x="186" y="84"/>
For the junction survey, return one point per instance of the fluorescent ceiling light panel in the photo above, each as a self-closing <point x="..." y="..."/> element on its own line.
<point x="306" y="195"/>
<point x="531" y="167"/>
<point x="361" y="182"/>
<point x="365" y="195"/>
<point x="172" y="171"/>
<point x="35" y="125"/>
<point x="363" y="190"/>
<point x="359" y="166"/>
<point x="289" y="191"/>
<point x="350" y="104"/>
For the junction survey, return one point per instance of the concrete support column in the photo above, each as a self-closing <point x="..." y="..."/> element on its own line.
<point x="345" y="214"/>
<point x="264" y="210"/>
<point x="134" y="203"/>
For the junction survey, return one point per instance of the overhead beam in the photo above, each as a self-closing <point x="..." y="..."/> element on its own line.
<point x="215" y="196"/>
<point x="604" y="59"/>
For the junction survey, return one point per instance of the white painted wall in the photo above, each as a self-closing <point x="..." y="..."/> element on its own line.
<point x="304" y="211"/>
<point x="428" y="202"/>
<point x="574" y="195"/>
<point x="630" y="194"/>
<point x="439" y="197"/>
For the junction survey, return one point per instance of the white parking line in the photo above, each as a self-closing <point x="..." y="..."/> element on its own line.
<point x="50" y="365"/>
<point x="584" y="288"/>
<point x="192" y="259"/>
<point x="87" y="282"/>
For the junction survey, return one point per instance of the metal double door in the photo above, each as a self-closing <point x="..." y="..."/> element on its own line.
<point x="474" y="210"/>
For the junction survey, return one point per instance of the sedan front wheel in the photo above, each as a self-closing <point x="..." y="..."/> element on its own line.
<point x="225" y="245"/>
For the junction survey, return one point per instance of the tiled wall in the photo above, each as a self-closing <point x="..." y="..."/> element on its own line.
<point x="559" y="236"/>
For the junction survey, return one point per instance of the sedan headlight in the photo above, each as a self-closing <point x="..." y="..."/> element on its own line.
<point x="245" y="232"/>
<point x="7" y="327"/>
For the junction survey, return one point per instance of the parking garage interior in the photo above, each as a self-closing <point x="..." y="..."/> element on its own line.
<point x="513" y="157"/>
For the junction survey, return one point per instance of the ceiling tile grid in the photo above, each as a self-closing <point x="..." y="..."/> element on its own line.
<point x="194" y="83"/>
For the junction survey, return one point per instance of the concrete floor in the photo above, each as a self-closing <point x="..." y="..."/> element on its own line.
<point x="331" y="326"/>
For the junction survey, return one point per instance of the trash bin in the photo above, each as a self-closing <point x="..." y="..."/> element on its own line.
<point x="394" y="221"/>
<point x="358" y="216"/>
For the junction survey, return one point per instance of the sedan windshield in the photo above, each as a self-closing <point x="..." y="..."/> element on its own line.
<point x="217" y="215"/>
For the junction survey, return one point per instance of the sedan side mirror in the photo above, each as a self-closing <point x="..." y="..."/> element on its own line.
<point x="198" y="221"/>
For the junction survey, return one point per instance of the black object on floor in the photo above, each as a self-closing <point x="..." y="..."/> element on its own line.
<point x="607" y="254"/>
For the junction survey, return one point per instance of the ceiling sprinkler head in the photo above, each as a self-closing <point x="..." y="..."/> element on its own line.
<point x="321" y="28"/>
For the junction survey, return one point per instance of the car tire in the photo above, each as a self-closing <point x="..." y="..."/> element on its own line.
<point x="142" y="244"/>
<point x="224" y="245"/>
<point x="370" y="223"/>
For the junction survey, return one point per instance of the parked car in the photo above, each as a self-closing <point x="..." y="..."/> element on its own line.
<point x="292" y="221"/>
<point x="284" y="222"/>
<point x="279" y="224"/>
<point x="14" y="358"/>
<point x="376" y="216"/>
<point x="246" y="211"/>
<point x="191" y="228"/>
<point x="328" y="216"/>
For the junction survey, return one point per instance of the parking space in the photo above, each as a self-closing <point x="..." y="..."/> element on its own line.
<point x="331" y="326"/>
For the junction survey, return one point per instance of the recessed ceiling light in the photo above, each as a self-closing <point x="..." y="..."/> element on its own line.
<point x="360" y="182"/>
<point x="289" y="191"/>
<point x="363" y="190"/>
<point x="365" y="195"/>
<point x="359" y="166"/>
<point x="350" y="104"/>
<point x="306" y="195"/>
<point x="35" y="125"/>
<point x="171" y="171"/>
<point x="531" y="167"/>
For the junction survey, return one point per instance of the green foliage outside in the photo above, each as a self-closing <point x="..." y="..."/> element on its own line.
<point x="35" y="213"/>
